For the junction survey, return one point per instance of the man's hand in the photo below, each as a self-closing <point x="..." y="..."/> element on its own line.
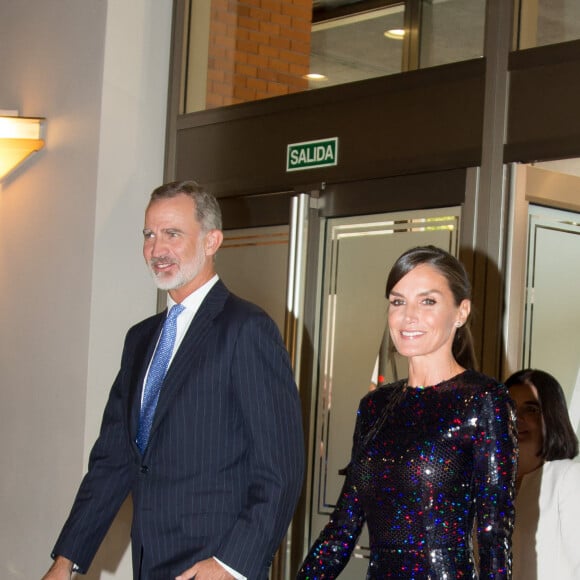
<point x="61" y="569"/>
<point x="205" y="570"/>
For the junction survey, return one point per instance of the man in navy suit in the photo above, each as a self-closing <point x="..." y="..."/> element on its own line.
<point x="215" y="485"/>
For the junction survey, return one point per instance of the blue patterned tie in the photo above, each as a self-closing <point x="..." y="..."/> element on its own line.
<point x="157" y="370"/>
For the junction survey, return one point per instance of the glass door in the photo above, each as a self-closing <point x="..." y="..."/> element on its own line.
<point x="552" y="316"/>
<point x="253" y="263"/>
<point x="542" y="275"/>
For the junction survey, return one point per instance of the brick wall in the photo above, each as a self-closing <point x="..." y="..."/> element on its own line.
<point x="257" y="49"/>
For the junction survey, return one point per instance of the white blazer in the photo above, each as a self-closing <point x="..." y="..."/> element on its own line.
<point x="546" y="535"/>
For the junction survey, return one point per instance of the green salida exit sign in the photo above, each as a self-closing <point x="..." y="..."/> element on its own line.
<point x="312" y="154"/>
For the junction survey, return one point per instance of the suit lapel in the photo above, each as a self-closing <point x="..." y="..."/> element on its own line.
<point x="190" y="348"/>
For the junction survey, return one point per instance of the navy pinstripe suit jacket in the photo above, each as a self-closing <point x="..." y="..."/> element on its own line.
<point x="224" y="465"/>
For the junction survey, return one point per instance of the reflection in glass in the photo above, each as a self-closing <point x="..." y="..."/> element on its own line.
<point x="236" y="52"/>
<point x="544" y="22"/>
<point x="357" y="47"/>
<point x="451" y="31"/>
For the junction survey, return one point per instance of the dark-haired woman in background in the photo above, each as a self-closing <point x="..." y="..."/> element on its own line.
<point x="547" y="529"/>
<point x="431" y="454"/>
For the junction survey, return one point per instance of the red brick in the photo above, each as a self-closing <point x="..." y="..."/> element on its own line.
<point x="257" y="84"/>
<point x="215" y="75"/>
<point x="227" y="18"/>
<point x="280" y="42"/>
<point x="279" y="65"/>
<point x="298" y="11"/>
<point x="274" y="6"/>
<point x="277" y="89"/>
<point x="270" y="28"/>
<point x="245" y="70"/>
<point x="250" y="46"/>
<point x="260" y="14"/>
<point x="241" y="57"/>
<point x="245" y="11"/>
<point x="221" y="88"/>
<point x="266" y="42"/>
<point x="268" y="51"/>
<point x="281" y="19"/>
<point x="266" y="74"/>
<point x="301" y="25"/>
<point x="300" y="47"/>
<point x="223" y="42"/>
<point x="259" y="37"/>
<point x="257" y="60"/>
<point x="214" y="101"/>
<point x="244" y="93"/>
<point x="219" y="6"/>
<point x="299" y="70"/>
<point x="308" y="4"/>
<point x="285" y="79"/>
<point x="249" y="23"/>
<point x="217" y="52"/>
<point x="296" y="35"/>
<point x="294" y="57"/>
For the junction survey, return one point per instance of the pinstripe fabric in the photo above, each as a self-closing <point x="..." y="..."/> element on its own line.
<point x="224" y="465"/>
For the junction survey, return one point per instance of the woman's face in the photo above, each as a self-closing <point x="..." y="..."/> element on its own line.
<point x="423" y="316"/>
<point x="530" y="427"/>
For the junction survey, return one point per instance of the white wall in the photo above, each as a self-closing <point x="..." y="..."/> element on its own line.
<point x="72" y="278"/>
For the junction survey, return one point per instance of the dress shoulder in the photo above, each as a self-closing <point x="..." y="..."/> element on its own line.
<point x="375" y="401"/>
<point x="481" y="385"/>
<point x="477" y="380"/>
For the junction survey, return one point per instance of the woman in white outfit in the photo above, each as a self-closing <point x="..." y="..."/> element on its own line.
<point x="547" y="525"/>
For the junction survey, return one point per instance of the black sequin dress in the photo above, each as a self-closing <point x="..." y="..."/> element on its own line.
<point x="427" y="466"/>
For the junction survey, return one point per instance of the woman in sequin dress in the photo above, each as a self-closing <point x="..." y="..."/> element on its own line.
<point x="434" y="455"/>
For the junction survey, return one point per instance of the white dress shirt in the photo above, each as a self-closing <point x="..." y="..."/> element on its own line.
<point x="192" y="304"/>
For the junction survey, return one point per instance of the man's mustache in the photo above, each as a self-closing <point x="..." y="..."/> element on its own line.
<point x="162" y="261"/>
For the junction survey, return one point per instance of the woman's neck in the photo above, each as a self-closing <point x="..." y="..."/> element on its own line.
<point x="423" y="374"/>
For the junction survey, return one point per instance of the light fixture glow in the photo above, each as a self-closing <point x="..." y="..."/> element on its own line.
<point x="315" y="77"/>
<point x="20" y="137"/>
<point x="395" y="33"/>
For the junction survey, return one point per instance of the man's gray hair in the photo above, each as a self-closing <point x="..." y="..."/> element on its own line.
<point x="207" y="209"/>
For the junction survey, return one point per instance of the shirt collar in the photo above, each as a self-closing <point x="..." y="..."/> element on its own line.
<point x="194" y="300"/>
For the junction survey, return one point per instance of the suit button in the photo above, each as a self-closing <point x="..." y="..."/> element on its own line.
<point x="144" y="469"/>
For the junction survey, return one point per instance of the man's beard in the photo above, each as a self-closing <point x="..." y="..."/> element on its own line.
<point x="185" y="273"/>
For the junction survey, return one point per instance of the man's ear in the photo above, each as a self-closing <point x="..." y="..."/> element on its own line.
<point x="213" y="241"/>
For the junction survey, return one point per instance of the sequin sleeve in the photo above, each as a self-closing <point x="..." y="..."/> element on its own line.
<point x="495" y="466"/>
<point x="332" y="549"/>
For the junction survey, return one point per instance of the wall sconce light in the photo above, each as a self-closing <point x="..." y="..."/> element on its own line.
<point x="20" y="137"/>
